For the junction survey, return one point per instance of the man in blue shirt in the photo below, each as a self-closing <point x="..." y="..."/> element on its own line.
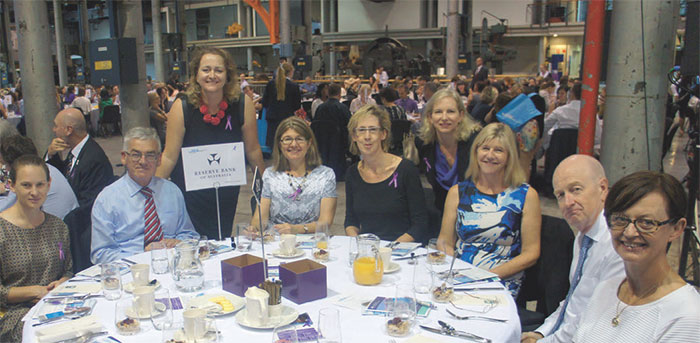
<point x="409" y="105"/>
<point x="139" y="208"/>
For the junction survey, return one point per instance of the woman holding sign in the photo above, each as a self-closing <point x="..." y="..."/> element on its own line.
<point x="211" y="111"/>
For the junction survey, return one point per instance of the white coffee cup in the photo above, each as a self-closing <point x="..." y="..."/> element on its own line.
<point x="385" y="255"/>
<point x="140" y="272"/>
<point x="288" y="244"/>
<point x="256" y="300"/>
<point x="143" y="300"/>
<point x="195" y="323"/>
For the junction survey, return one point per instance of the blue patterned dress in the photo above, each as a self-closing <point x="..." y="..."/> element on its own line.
<point x="488" y="226"/>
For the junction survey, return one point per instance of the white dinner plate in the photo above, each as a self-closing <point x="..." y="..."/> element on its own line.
<point x="393" y="267"/>
<point x="132" y="313"/>
<point x="287" y="316"/>
<point x="129" y="287"/>
<point x="297" y="253"/>
<point x="204" y="302"/>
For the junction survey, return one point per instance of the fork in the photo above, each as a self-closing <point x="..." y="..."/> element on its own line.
<point x="475" y="317"/>
<point x="85" y="337"/>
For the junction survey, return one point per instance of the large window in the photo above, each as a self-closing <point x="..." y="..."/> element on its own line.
<point x="209" y="23"/>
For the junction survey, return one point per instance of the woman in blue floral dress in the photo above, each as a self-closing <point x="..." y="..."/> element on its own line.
<point x="492" y="218"/>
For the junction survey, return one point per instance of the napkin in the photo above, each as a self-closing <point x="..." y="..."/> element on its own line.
<point x="79" y="287"/>
<point x="479" y="299"/>
<point x="421" y="339"/>
<point x="69" y="330"/>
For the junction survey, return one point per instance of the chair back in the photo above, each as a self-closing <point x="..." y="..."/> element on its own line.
<point x="111" y="114"/>
<point x="330" y="146"/>
<point x="262" y="132"/>
<point x="562" y="145"/>
<point x="399" y="128"/>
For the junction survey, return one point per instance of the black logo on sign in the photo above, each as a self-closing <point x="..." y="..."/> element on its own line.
<point x="214" y="158"/>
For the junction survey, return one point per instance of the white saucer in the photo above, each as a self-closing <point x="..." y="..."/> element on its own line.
<point x="132" y="313"/>
<point x="129" y="287"/>
<point x="287" y="316"/>
<point x="297" y="253"/>
<point x="214" y="309"/>
<point x="393" y="267"/>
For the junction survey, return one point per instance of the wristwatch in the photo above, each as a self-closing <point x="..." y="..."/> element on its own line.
<point x="306" y="229"/>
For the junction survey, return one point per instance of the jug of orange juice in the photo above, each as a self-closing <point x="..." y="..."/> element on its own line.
<point x="368" y="268"/>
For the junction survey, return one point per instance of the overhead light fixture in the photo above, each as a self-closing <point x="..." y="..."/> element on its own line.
<point x="556" y="35"/>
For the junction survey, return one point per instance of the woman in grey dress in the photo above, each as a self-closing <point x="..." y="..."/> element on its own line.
<point x="34" y="247"/>
<point x="298" y="192"/>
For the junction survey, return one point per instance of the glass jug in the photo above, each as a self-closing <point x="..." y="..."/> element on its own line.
<point x="368" y="268"/>
<point x="188" y="272"/>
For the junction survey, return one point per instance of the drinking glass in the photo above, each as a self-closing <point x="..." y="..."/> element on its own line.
<point x="422" y="275"/>
<point x="285" y="334"/>
<point x="352" y="251"/>
<point x="244" y="238"/>
<point x="111" y="279"/>
<point x="320" y="250"/>
<point x="402" y="311"/>
<point x="329" y="325"/>
<point x="435" y="255"/>
<point x="162" y="314"/>
<point x="203" y="248"/>
<point x="159" y="258"/>
<point x="124" y="317"/>
<point x="174" y="333"/>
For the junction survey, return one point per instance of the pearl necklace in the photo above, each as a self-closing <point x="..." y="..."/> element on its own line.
<point x="616" y="320"/>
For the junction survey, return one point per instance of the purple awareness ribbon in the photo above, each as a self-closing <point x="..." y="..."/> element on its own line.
<point x="228" y="123"/>
<point x="294" y="195"/>
<point x="394" y="180"/>
<point x="428" y="167"/>
<point x="60" y="251"/>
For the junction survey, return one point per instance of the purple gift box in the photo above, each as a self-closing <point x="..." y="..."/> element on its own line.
<point x="240" y="272"/>
<point x="303" y="281"/>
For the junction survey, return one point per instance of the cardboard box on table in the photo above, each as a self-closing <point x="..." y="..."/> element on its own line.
<point x="303" y="281"/>
<point x="240" y="272"/>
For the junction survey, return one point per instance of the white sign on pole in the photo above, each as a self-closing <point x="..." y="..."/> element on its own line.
<point x="209" y="165"/>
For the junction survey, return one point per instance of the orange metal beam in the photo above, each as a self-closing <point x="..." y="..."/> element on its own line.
<point x="271" y="19"/>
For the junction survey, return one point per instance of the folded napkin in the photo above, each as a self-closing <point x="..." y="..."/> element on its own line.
<point x="479" y="299"/>
<point x="79" y="287"/>
<point x="421" y="339"/>
<point x="69" y="330"/>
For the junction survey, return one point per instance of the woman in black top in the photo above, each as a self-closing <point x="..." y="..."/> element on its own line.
<point x="388" y="96"/>
<point x="485" y="104"/>
<point x="446" y="136"/>
<point x="281" y="98"/>
<point x="383" y="192"/>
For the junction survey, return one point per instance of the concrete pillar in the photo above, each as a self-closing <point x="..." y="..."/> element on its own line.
<point x="239" y="18"/>
<point x="452" y="38"/>
<point x="467" y="10"/>
<point x="134" y="101"/>
<point x="641" y="52"/>
<point x="11" y="56"/>
<point x="249" y="59"/>
<point x="285" y="30"/>
<point x="182" y="28"/>
<point x="308" y="4"/>
<point x="85" y="30"/>
<point x="333" y="9"/>
<point x="158" y="58"/>
<point x="60" y="47"/>
<point x="35" y="64"/>
<point x="250" y="28"/>
<point x="541" y="51"/>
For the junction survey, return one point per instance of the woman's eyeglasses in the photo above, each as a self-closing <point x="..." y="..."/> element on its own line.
<point x="288" y="140"/>
<point x="620" y="222"/>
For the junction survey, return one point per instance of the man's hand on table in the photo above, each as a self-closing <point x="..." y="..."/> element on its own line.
<point x="530" y="337"/>
<point x="169" y="243"/>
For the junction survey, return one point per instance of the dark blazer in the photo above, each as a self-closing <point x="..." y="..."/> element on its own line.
<point x="426" y="152"/>
<point x="338" y="113"/>
<point x="278" y="110"/>
<point x="481" y="75"/>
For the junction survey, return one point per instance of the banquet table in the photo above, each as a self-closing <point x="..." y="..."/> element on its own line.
<point x="355" y="326"/>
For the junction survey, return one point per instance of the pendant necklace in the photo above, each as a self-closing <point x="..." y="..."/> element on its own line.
<point x="298" y="188"/>
<point x="618" y="312"/>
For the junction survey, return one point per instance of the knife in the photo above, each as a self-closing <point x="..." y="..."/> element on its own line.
<point x="407" y="257"/>
<point x="445" y="332"/>
<point x="468" y="289"/>
<point x="449" y="328"/>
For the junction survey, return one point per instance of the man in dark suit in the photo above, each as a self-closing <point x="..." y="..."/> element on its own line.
<point x="481" y="73"/>
<point x="86" y="167"/>
<point x="333" y="111"/>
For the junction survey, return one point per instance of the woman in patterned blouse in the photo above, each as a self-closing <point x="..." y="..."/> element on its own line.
<point x="34" y="247"/>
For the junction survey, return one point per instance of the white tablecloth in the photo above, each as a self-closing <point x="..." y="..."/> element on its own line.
<point x="355" y="326"/>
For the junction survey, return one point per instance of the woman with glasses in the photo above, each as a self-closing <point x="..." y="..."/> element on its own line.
<point x="211" y="111"/>
<point x="492" y="219"/>
<point x="298" y="192"/>
<point x="383" y="192"/>
<point x="651" y="302"/>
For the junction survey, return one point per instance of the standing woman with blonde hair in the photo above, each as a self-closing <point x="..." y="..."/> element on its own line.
<point x="281" y="98"/>
<point x="211" y="111"/>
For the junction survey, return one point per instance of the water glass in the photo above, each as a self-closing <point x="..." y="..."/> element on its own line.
<point x="320" y="250"/>
<point x="285" y="334"/>
<point x="159" y="258"/>
<point x="244" y="238"/>
<point x="162" y="314"/>
<point x="329" y="325"/>
<point x="422" y="275"/>
<point x="402" y="311"/>
<point x="125" y="319"/>
<point x="352" y="250"/>
<point x="111" y="279"/>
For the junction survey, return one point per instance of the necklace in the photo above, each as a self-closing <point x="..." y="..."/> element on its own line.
<point x="216" y="118"/>
<point x="298" y="188"/>
<point x="616" y="320"/>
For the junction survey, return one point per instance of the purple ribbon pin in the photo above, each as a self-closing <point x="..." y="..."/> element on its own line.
<point x="427" y="168"/>
<point x="228" y="123"/>
<point x="60" y="251"/>
<point x="294" y="195"/>
<point x="394" y="180"/>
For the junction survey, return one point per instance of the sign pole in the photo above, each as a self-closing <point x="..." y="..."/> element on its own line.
<point x="257" y="191"/>
<point x="218" y="208"/>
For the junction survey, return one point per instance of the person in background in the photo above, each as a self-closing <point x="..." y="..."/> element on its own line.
<point x="105" y="100"/>
<point x="82" y="102"/>
<point x="382" y="77"/>
<point x="308" y="88"/>
<point x="389" y="97"/>
<point x="493" y="216"/>
<point x="475" y="95"/>
<point x="244" y="83"/>
<point x="650" y="302"/>
<point x="321" y="97"/>
<point x="281" y="99"/>
<point x="69" y="95"/>
<point x="384" y="195"/>
<point x="409" y="105"/>
<point x="334" y="111"/>
<point x="298" y="191"/>
<point x="115" y="95"/>
<point x="158" y="117"/>
<point x="139" y="208"/>
<point x="248" y="91"/>
<point x="564" y="117"/>
<point x="580" y="187"/>
<point x="34" y="247"/>
<point x="485" y="104"/>
<point x="374" y="84"/>
<point x="362" y="99"/>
